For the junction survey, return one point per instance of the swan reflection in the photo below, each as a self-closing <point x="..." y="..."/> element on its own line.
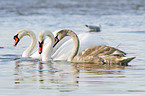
<point x="62" y="76"/>
<point x="99" y="69"/>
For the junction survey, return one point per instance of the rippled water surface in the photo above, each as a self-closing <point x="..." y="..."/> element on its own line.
<point x="123" y="24"/>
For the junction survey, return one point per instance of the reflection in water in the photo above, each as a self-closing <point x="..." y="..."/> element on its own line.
<point x="44" y="76"/>
<point x="56" y="78"/>
<point x="21" y="67"/>
<point x="100" y="69"/>
<point x="63" y="77"/>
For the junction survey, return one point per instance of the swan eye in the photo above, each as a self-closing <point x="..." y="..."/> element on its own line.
<point x="16" y="39"/>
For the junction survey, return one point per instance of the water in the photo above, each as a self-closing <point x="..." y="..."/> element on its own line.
<point x="122" y="23"/>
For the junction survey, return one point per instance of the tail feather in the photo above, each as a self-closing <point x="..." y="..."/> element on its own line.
<point x="127" y="60"/>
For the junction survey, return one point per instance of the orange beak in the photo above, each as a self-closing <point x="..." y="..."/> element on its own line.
<point x="40" y="47"/>
<point x="16" y="40"/>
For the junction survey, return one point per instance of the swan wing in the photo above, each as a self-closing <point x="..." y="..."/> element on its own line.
<point x="102" y="54"/>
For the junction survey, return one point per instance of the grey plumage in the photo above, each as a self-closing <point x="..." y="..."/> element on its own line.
<point x="96" y="28"/>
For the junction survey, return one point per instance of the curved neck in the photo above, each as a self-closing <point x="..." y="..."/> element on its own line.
<point x="28" y="51"/>
<point x="76" y="45"/>
<point x="46" y="54"/>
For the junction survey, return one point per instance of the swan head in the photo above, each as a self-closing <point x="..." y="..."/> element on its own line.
<point x="41" y="39"/>
<point x="41" y="42"/>
<point x="20" y="34"/>
<point x="40" y="46"/>
<point x="16" y="38"/>
<point x="61" y="34"/>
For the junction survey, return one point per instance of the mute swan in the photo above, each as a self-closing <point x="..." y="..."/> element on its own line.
<point x="46" y="56"/>
<point x="96" y="28"/>
<point x="94" y="54"/>
<point x="19" y="35"/>
<point x="63" y="52"/>
<point x="36" y="54"/>
<point x="28" y="52"/>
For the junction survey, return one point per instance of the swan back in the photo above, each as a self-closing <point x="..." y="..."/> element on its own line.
<point x="102" y="54"/>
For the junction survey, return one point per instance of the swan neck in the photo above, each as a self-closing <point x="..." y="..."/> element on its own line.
<point x="46" y="55"/>
<point x="28" y="51"/>
<point x="76" y="45"/>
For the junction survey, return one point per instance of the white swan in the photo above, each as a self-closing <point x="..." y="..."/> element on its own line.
<point x="47" y="40"/>
<point x="94" y="54"/>
<point x="46" y="56"/>
<point x="28" y="52"/>
<point x="19" y="35"/>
